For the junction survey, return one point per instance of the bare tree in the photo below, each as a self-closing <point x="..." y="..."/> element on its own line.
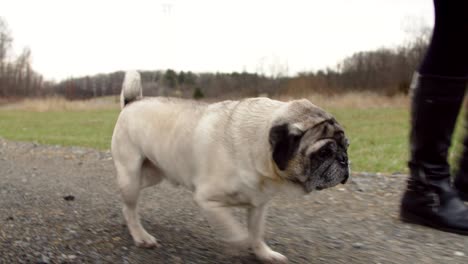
<point x="17" y="78"/>
<point x="5" y="45"/>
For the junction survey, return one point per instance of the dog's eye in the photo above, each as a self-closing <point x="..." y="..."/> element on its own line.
<point x="325" y="152"/>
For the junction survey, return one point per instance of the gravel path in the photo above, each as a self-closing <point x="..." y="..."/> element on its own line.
<point x="60" y="205"/>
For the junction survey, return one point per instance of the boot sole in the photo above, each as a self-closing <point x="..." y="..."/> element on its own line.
<point x="463" y="196"/>
<point x="414" y="219"/>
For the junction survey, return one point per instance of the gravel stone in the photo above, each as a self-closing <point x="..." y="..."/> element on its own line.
<point x="358" y="245"/>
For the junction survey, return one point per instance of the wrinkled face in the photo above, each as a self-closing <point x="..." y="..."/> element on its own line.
<point x="324" y="163"/>
<point x="314" y="159"/>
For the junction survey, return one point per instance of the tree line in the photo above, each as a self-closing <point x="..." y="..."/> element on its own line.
<point x="385" y="71"/>
<point x="17" y="78"/>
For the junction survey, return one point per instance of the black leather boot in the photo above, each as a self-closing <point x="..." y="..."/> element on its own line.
<point x="429" y="199"/>
<point x="461" y="180"/>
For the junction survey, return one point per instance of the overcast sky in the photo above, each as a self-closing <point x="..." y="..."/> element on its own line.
<point x="74" y="38"/>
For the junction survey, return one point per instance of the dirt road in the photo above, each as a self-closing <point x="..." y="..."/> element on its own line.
<point x="60" y="205"/>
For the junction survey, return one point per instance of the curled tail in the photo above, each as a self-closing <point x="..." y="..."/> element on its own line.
<point x="131" y="88"/>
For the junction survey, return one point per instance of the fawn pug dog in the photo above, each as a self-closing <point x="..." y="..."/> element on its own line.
<point x="230" y="153"/>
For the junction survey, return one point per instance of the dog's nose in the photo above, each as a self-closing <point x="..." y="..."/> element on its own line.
<point x="343" y="160"/>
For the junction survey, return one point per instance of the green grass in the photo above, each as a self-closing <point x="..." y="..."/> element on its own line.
<point x="457" y="143"/>
<point x="378" y="137"/>
<point x="67" y="128"/>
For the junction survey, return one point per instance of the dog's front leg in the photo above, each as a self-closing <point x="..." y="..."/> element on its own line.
<point x="223" y="222"/>
<point x="256" y="222"/>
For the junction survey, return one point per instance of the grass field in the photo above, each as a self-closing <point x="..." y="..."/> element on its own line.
<point x="378" y="135"/>
<point x="67" y="128"/>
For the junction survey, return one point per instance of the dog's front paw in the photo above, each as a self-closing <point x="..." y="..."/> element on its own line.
<point x="146" y="241"/>
<point x="266" y="255"/>
<point x="273" y="257"/>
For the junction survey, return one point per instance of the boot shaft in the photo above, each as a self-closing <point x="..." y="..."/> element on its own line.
<point x="436" y="103"/>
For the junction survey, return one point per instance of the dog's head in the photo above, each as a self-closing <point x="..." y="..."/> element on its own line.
<point x="309" y="147"/>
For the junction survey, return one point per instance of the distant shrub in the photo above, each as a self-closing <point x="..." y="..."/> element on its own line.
<point x="198" y="94"/>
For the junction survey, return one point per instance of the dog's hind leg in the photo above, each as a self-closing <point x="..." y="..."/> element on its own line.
<point x="129" y="173"/>
<point x="150" y="174"/>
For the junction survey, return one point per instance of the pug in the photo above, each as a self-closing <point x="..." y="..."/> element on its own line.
<point x="229" y="153"/>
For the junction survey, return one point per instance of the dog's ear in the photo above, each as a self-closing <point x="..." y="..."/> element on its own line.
<point x="284" y="140"/>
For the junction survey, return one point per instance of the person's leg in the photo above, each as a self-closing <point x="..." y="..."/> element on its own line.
<point x="447" y="54"/>
<point x="438" y="91"/>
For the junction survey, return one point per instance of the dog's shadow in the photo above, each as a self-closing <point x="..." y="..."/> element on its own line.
<point x="183" y="232"/>
<point x="183" y="245"/>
